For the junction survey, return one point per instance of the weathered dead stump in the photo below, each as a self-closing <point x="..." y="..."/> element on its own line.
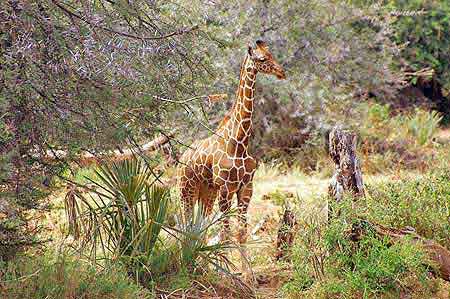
<point x="286" y="231"/>
<point x="347" y="175"/>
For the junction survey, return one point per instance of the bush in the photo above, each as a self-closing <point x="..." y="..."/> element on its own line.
<point x="328" y="263"/>
<point x="332" y="261"/>
<point x="65" y="277"/>
<point x="391" y="140"/>
<point x="422" y="203"/>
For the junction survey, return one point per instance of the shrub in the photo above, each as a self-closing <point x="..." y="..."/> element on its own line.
<point x="328" y="263"/>
<point x="331" y="261"/>
<point x="391" y="140"/>
<point x="422" y="203"/>
<point x="125" y="219"/>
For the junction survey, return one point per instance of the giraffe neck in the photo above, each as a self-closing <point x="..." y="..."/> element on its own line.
<point x="240" y="123"/>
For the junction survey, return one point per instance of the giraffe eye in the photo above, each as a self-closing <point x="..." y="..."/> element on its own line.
<point x="262" y="59"/>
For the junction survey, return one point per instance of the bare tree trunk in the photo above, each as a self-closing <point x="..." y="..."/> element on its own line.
<point x="347" y="175"/>
<point x="117" y="155"/>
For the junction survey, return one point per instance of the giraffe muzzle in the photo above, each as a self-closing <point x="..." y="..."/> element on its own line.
<point x="280" y="75"/>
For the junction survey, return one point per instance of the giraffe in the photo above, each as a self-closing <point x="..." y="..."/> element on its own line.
<point x="220" y="165"/>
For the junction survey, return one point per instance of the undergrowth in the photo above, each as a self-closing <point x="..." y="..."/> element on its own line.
<point x="422" y="203"/>
<point x="331" y="261"/>
<point x="388" y="140"/>
<point x="66" y="277"/>
<point x="124" y="217"/>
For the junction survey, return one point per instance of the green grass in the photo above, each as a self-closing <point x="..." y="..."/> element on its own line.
<point x="66" y="277"/>
<point x="422" y="203"/>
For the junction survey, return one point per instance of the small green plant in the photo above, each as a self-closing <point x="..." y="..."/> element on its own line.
<point x="423" y="125"/>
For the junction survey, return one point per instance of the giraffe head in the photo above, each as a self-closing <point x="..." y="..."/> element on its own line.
<point x="264" y="61"/>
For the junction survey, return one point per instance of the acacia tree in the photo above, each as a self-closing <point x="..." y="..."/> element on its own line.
<point x="84" y="76"/>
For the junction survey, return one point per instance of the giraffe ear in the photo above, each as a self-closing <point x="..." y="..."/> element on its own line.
<point x="261" y="44"/>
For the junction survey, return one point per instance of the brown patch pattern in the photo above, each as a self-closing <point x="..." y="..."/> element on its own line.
<point x="220" y="166"/>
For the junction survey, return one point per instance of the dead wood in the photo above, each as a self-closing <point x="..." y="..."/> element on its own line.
<point x="347" y="175"/>
<point x="286" y="231"/>
<point x="116" y="155"/>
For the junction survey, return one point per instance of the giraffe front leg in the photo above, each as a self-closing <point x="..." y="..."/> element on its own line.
<point x="244" y="196"/>
<point x="189" y="191"/>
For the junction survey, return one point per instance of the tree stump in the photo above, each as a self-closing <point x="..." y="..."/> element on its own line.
<point x="286" y="231"/>
<point x="347" y="175"/>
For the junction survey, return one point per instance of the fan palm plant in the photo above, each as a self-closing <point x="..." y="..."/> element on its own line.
<point x="124" y="215"/>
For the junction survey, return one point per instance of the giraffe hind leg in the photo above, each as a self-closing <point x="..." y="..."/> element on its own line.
<point x="244" y="196"/>
<point x="207" y="197"/>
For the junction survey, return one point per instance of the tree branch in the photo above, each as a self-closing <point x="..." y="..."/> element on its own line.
<point x="75" y="15"/>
